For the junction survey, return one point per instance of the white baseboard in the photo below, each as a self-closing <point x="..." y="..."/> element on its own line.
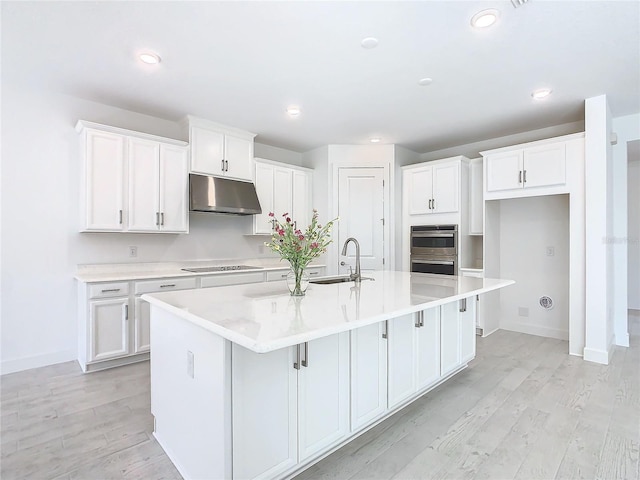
<point x="27" y="363"/>
<point x="597" y="356"/>
<point x="535" y="330"/>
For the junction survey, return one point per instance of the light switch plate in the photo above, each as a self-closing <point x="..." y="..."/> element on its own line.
<point x="190" y="363"/>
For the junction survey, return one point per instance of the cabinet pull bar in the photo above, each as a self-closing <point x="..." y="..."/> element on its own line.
<point x="120" y="216"/>
<point x="157" y="218"/>
<point x="313" y="273"/>
<point x="162" y="218"/>
<point x="422" y="318"/>
<point x="520" y="176"/>
<point x="107" y="290"/>
<point x="168" y="285"/>
<point x="429" y="204"/>
<point x="463" y="305"/>
<point x="284" y="275"/>
<point x="385" y="333"/>
<point x="226" y="165"/>
<point x="126" y="312"/>
<point x="524" y="176"/>
<point x="418" y="319"/>
<point x="305" y="362"/>
<point x="296" y="364"/>
<point x="433" y="203"/>
<point x="222" y="165"/>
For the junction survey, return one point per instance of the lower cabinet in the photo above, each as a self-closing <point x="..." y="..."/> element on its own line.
<point x="368" y="373"/>
<point x="109" y="328"/>
<point x="288" y="405"/>
<point x="457" y="334"/>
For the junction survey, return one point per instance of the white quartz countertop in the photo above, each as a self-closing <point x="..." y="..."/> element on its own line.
<point x="263" y="317"/>
<point x="143" y="271"/>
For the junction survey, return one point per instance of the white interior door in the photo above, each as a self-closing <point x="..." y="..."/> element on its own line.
<point x="361" y="212"/>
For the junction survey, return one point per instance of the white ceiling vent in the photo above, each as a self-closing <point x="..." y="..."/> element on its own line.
<point x="546" y="302"/>
<point x="517" y="3"/>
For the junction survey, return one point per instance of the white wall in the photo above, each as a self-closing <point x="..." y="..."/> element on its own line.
<point x="41" y="246"/>
<point x="403" y="156"/>
<point x="633" y="232"/>
<point x="527" y="227"/>
<point x="277" y="154"/>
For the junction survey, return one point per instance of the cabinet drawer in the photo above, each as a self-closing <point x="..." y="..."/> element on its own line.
<point x="106" y="290"/>
<point x="165" y="285"/>
<point x="282" y="274"/>
<point x="232" y="279"/>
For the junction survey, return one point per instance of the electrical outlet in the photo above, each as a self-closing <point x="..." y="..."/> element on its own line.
<point x="523" y="311"/>
<point x="190" y="363"/>
<point x="133" y="251"/>
<point x="551" y="251"/>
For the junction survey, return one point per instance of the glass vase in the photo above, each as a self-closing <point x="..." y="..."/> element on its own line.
<point x="297" y="281"/>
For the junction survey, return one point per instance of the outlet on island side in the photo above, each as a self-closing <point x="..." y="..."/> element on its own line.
<point x="190" y="362"/>
<point x="133" y="251"/>
<point x="551" y="251"/>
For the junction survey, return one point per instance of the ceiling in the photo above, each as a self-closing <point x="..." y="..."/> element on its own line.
<point x="242" y="63"/>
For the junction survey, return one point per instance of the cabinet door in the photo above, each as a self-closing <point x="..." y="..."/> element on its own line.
<point x="323" y="394"/>
<point x="238" y="155"/>
<point x="428" y="349"/>
<point x="143" y="214"/>
<point x="207" y="151"/>
<point x="264" y="412"/>
<point x="476" y="202"/>
<point x="446" y="187"/>
<point x="420" y="191"/>
<point x="108" y="329"/>
<point x="105" y="169"/>
<point x="449" y="338"/>
<point x="504" y="171"/>
<point x="282" y="201"/>
<point x="545" y="165"/>
<point x="368" y="374"/>
<point x="301" y="199"/>
<point x="174" y="189"/>
<point x="141" y="340"/>
<point x="467" y="329"/>
<point x="402" y="358"/>
<point x="264" y="188"/>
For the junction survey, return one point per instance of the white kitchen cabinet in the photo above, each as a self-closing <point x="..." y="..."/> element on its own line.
<point x="282" y="189"/>
<point x="265" y="412"/>
<point x="103" y="180"/>
<point x="288" y="404"/>
<point x="368" y="374"/>
<point x="132" y="181"/>
<point x="108" y="328"/>
<point x="434" y="188"/>
<point x="427" y="348"/>
<point x="449" y="338"/>
<point x="158" y="185"/>
<point x="402" y="359"/>
<point x="220" y="151"/>
<point x="142" y="321"/>
<point x="537" y="166"/>
<point x="476" y="201"/>
<point x="467" y="329"/>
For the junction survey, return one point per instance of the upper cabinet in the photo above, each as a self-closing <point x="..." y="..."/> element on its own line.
<point x="434" y="187"/>
<point x="282" y="189"/>
<point x="219" y="150"/>
<point x="475" y="197"/>
<point x="530" y="167"/>
<point x="132" y="182"/>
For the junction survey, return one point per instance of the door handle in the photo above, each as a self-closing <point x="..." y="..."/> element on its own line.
<point x="433" y="203"/>
<point x="296" y="364"/>
<point x="157" y="218"/>
<point x="463" y="305"/>
<point x="385" y="333"/>
<point x="162" y="218"/>
<point x="222" y="165"/>
<point x="520" y="176"/>
<point x="126" y="312"/>
<point x="120" y="217"/>
<point x="226" y="165"/>
<point x="305" y="361"/>
<point x="524" y="176"/>
<point x="429" y="204"/>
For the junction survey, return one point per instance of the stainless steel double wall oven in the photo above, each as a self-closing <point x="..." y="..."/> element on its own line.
<point x="434" y="249"/>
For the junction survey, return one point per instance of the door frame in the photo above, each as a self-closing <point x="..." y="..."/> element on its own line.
<point x="333" y="251"/>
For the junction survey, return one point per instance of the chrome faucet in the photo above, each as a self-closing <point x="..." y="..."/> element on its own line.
<point x="353" y="276"/>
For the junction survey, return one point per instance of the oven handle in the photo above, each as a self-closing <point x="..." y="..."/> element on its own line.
<point x="431" y="235"/>
<point x="432" y="262"/>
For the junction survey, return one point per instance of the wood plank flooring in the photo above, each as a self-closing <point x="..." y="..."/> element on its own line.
<point x="524" y="409"/>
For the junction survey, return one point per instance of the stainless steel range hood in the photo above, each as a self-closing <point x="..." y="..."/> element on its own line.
<point x="222" y="195"/>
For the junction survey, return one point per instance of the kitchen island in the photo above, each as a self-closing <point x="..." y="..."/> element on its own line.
<point x="249" y="382"/>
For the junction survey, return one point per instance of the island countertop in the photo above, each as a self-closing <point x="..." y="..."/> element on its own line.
<point x="264" y="317"/>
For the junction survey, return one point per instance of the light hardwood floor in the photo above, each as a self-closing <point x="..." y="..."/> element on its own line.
<point x="524" y="409"/>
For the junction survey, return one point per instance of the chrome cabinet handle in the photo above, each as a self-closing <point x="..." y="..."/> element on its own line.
<point x="313" y="273"/>
<point x="120" y="217"/>
<point x="385" y="333"/>
<point x="305" y="361"/>
<point x="520" y="176"/>
<point x="126" y="312"/>
<point x="463" y="305"/>
<point x="417" y="324"/>
<point x="162" y="218"/>
<point x="524" y="176"/>
<point x="168" y="285"/>
<point x="284" y="275"/>
<point x="107" y="290"/>
<point x="157" y="218"/>
<point x="222" y="165"/>
<point x="429" y="204"/>
<point x="296" y="364"/>
<point x="226" y="165"/>
<point x="433" y="203"/>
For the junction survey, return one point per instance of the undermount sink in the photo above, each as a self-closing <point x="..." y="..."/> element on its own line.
<point x="339" y="279"/>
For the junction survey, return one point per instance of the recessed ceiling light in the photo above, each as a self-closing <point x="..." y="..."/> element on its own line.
<point x="293" y="111"/>
<point x="425" y="81"/>
<point x="149" y="58"/>
<point x="369" y="42"/>
<point x="541" y="93"/>
<point x="375" y="139"/>
<point x="485" y="18"/>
